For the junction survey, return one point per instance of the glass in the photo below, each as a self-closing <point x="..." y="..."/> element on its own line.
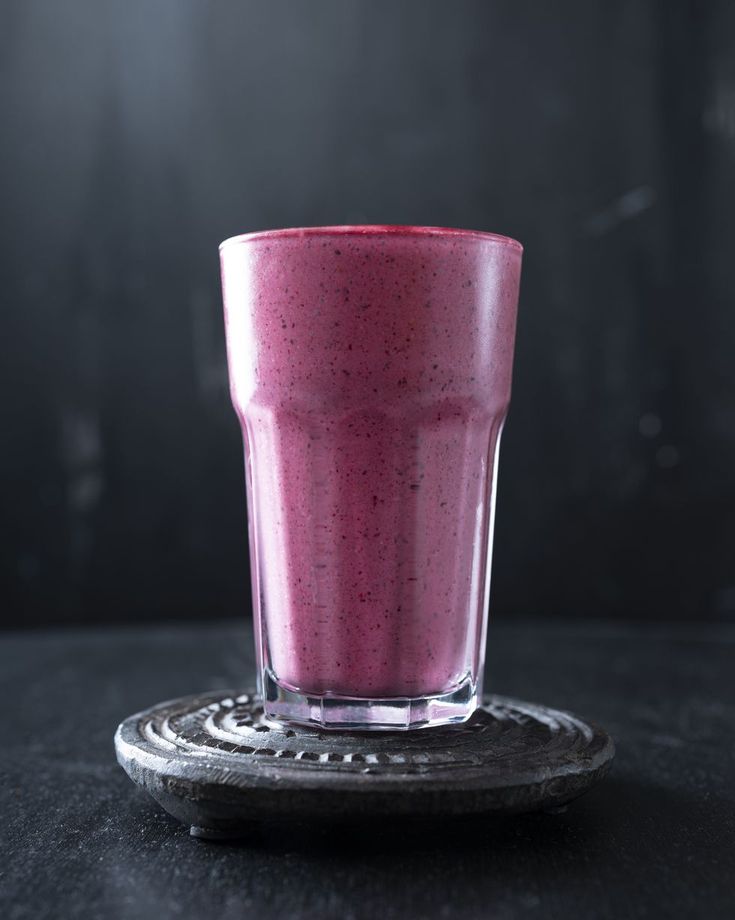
<point x="370" y="368"/>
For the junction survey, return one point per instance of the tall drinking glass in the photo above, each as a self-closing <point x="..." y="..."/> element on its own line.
<point x="370" y="368"/>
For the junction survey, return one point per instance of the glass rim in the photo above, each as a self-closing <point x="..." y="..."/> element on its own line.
<point x="373" y="230"/>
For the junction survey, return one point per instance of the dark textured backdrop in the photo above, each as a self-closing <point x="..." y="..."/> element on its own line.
<point x="137" y="135"/>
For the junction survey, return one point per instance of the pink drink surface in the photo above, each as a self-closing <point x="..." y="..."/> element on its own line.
<point x="371" y="372"/>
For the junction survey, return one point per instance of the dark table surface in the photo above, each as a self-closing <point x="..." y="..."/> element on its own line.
<point x="656" y="839"/>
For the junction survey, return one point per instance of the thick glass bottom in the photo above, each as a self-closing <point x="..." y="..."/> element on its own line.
<point x="284" y="705"/>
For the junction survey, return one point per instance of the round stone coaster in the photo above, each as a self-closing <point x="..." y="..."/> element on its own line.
<point x="214" y="763"/>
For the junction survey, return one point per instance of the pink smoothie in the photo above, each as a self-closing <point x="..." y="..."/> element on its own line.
<point x="371" y="371"/>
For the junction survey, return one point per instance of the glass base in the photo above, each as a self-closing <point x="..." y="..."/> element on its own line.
<point x="284" y="706"/>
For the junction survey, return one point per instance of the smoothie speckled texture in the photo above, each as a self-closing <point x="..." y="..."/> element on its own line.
<point x="371" y="370"/>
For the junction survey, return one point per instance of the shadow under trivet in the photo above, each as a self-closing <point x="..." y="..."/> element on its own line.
<point x="214" y="763"/>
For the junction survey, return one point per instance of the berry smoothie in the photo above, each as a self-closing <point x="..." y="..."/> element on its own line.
<point x="370" y="368"/>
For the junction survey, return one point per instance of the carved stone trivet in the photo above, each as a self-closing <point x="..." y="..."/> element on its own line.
<point x="214" y="763"/>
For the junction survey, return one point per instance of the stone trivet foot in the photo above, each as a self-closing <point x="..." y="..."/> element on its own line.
<point x="214" y="763"/>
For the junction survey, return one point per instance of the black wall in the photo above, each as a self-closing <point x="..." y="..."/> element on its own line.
<point x="137" y="135"/>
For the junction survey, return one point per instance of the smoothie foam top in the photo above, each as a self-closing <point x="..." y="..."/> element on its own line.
<point x="374" y="230"/>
